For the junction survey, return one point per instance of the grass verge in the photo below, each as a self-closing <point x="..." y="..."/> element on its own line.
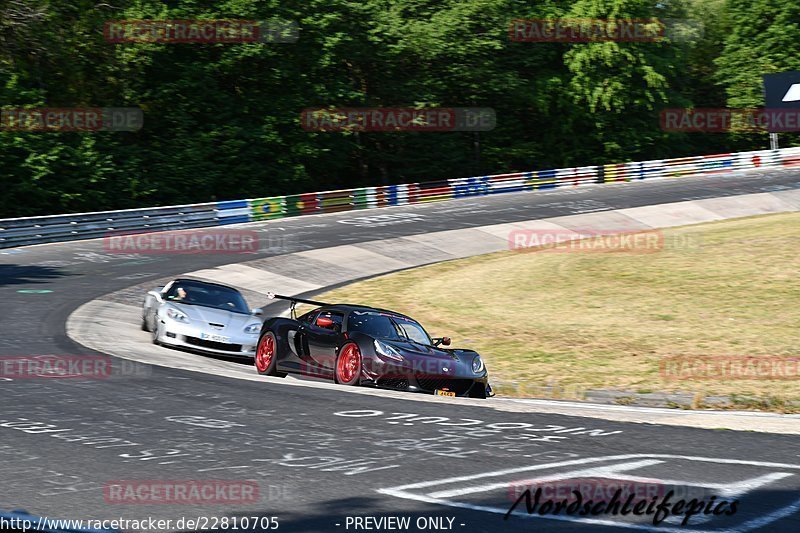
<point x="579" y="320"/>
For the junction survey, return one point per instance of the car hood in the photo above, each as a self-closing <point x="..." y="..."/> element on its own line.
<point x="412" y="348"/>
<point x="204" y="316"/>
<point x="435" y="361"/>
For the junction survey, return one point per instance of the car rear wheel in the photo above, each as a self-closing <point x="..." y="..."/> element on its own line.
<point x="266" y="359"/>
<point x="348" y="364"/>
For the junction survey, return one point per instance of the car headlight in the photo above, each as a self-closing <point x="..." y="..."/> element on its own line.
<point x="253" y="328"/>
<point x="477" y="364"/>
<point x="387" y="351"/>
<point x="176" y="315"/>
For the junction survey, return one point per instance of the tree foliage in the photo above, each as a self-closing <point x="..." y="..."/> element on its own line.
<point x="222" y="121"/>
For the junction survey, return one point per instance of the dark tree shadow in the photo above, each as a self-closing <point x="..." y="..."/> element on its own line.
<point x="28" y="275"/>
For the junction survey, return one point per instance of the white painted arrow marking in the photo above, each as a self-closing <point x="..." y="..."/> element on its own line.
<point x="793" y="94"/>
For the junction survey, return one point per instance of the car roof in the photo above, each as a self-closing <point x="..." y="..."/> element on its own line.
<point x="355" y="307"/>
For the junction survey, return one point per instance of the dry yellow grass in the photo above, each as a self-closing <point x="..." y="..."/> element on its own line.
<point x="607" y="320"/>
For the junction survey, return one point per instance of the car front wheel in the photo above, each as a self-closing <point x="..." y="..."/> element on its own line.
<point x="266" y="359"/>
<point x="348" y="364"/>
<point x="156" y="331"/>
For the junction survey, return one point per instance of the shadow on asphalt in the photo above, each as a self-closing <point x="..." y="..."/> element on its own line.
<point x="28" y="275"/>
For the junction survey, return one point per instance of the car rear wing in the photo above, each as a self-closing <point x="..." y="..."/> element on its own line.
<point x="294" y="301"/>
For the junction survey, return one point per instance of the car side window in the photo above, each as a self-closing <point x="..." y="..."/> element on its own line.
<point x="336" y="317"/>
<point x="309" y="317"/>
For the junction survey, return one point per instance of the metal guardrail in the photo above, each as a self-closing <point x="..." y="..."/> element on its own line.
<point x="57" y="228"/>
<point x="36" y="230"/>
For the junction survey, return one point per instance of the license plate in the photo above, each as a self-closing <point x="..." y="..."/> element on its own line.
<point x="215" y="338"/>
<point x="439" y="392"/>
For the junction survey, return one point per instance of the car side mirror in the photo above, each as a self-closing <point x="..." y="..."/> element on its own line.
<point x="444" y="341"/>
<point x="257" y="311"/>
<point x="324" y="322"/>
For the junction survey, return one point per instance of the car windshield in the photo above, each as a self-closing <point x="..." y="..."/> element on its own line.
<point x="386" y="326"/>
<point x="216" y="296"/>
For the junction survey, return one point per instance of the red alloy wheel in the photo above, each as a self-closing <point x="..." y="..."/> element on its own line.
<point x="348" y="367"/>
<point x="265" y="352"/>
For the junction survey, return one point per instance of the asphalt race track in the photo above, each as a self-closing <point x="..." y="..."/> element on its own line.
<point x="321" y="458"/>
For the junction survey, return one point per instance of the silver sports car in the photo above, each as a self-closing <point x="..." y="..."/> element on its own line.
<point x="201" y="316"/>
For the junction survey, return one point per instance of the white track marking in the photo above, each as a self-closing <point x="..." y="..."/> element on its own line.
<point x="733" y="489"/>
<point x="601" y="471"/>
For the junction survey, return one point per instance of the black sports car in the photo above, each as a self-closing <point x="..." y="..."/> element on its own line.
<point x="359" y="345"/>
